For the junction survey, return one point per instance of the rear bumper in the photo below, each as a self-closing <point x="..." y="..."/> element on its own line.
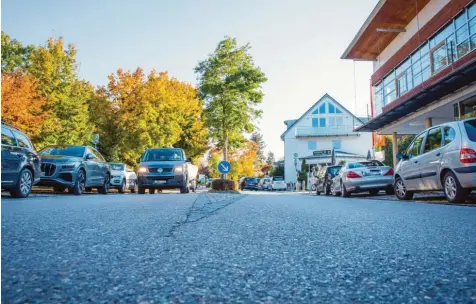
<point x="466" y="176"/>
<point x="366" y="184"/>
<point x="279" y="187"/>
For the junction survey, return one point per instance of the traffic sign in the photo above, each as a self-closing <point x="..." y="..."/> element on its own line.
<point x="224" y="167"/>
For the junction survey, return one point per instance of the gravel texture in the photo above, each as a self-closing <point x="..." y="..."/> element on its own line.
<point x="229" y="248"/>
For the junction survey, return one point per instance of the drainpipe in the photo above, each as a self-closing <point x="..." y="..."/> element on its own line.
<point x="428" y="122"/>
<point x="394" y="149"/>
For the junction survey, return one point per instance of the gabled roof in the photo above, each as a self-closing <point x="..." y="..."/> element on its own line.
<point x="313" y="106"/>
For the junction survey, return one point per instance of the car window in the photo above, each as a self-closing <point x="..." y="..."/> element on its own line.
<point x="89" y="151"/>
<point x="470" y="127"/>
<point x="449" y="134"/>
<point x="433" y="140"/>
<point x="23" y="141"/>
<point x="118" y="167"/>
<point x="97" y="154"/>
<point x="7" y="137"/>
<point x="164" y="155"/>
<point x="63" y="150"/>
<point x="278" y="179"/>
<point x="415" y="147"/>
<point x="334" y="170"/>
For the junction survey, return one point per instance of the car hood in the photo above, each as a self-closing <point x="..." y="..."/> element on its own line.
<point x="162" y="164"/>
<point x="60" y="158"/>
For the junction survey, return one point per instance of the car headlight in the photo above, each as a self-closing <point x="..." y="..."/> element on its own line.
<point x="68" y="167"/>
<point x="178" y="169"/>
<point x="143" y="170"/>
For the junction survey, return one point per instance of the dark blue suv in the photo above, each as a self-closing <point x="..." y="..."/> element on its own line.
<point x="20" y="162"/>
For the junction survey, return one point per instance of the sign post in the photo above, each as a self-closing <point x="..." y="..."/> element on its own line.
<point x="224" y="168"/>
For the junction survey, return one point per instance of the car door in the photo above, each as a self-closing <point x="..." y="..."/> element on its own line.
<point x="431" y="159"/>
<point x="10" y="158"/>
<point x="91" y="168"/>
<point x="101" y="167"/>
<point x="410" y="167"/>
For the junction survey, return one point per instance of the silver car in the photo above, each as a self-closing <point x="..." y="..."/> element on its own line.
<point x="442" y="157"/>
<point x="356" y="177"/>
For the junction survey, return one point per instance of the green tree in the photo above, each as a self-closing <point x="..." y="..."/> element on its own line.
<point x="302" y="175"/>
<point x="14" y="54"/>
<point x="257" y="137"/>
<point x="270" y="158"/>
<point x="278" y="171"/>
<point x="230" y="85"/>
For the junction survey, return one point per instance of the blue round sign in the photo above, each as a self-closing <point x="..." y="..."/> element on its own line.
<point x="224" y="167"/>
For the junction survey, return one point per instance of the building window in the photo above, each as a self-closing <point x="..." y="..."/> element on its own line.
<point x="439" y="57"/>
<point x="315" y="122"/>
<point x="322" y="122"/>
<point x="338" y="111"/>
<point x="322" y="109"/>
<point x="331" y="108"/>
<point x="336" y="144"/>
<point x="311" y="145"/>
<point x="402" y="84"/>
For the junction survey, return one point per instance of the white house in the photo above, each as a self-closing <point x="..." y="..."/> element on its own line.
<point x="326" y="125"/>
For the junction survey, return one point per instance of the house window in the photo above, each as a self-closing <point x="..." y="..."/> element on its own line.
<point x="311" y="145"/>
<point x="315" y="122"/>
<point x="322" y="122"/>
<point x="316" y="111"/>
<point x="439" y="57"/>
<point x="336" y="144"/>
<point x="322" y="109"/>
<point x="332" y="109"/>
<point x="338" y="111"/>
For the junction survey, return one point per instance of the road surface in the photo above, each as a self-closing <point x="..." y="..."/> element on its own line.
<point x="209" y="248"/>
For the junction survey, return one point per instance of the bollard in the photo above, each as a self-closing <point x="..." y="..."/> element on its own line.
<point x="297" y="187"/>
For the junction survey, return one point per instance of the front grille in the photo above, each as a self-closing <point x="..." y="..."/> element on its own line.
<point x="159" y="177"/>
<point x="48" y="169"/>
<point x="156" y="170"/>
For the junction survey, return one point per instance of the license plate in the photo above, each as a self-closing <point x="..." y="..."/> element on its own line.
<point x="117" y="181"/>
<point x="159" y="182"/>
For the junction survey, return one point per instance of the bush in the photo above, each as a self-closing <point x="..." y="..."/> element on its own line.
<point x="224" y="185"/>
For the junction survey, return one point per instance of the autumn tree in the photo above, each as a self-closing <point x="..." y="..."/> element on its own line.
<point x="270" y="158"/>
<point x="22" y="107"/>
<point x="14" y="54"/>
<point x="230" y="85"/>
<point x="257" y="138"/>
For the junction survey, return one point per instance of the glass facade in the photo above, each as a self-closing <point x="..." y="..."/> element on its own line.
<point x="452" y="42"/>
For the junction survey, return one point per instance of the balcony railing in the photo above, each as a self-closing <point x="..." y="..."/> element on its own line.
<point x="325" y="132"/>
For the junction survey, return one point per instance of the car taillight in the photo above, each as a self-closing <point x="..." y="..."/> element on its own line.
<point x="352" y="174"/>
<point x="467" y="156"/>
<point x="390" y="172"/>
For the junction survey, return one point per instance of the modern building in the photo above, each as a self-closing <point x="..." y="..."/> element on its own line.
<point x="325" y="126"/>
<point x="424" y="59"/>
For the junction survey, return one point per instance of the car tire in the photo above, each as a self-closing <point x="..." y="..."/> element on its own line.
<point x="141" y="190"/>
<point x="24" y="185"/>
<point x="390" y="190"/>
<point x="79" y="184"/>
<point x="105" y="187"/>
<point x="453" y="191"/>
<point x="134" y="187"/>
<point x="374" y="192"/>
<point x="151" y="191"/>
<point x="123" y="187"/>
<point x="400" y="190"/>
<point x="344" y="192"/>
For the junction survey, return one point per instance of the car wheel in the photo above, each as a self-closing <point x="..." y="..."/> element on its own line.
<point x="123" y="187"/>
<point x="333" y="190"/>
<point x="134" y="187"/>
<point x="373" y="192"/>
<point x="24" y="185"/>
<point x="141" y="190"/>
<point x="390" y="190"/>
<point x="151" y="191"/>
<point x="453" y="190"/>
<point x="105" y="188"/>
<point x="313" y="188"/>
<point x="401" y="191"/>
<point x="79" y="185"/>
<point x="344" y="192"/>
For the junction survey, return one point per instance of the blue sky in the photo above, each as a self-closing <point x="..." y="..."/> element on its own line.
<point x="297" y="44"/>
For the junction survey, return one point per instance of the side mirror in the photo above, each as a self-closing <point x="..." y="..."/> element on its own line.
<point x="188" y="160"/>
<point x="89" y="157"/>
<point x="402" y="156"/>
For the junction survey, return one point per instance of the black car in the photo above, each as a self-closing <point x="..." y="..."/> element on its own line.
<point x="249" y="183"/>
<point x="324" y="179"/>
<point x="75" y="168"/>
<point x="20" y="162"/>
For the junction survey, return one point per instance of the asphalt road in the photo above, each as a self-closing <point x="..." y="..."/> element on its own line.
<point x="204" y="248"/>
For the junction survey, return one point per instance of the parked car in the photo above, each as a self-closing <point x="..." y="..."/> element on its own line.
<point x="75" y="168"/>
<point x="166" y="168"/>
<point x="442" y="157"/>
<point x="20" y="162"/>
<point x="356" y="177"/>
<point x="249" y="183"/>
<point x="324" y="179"/>
<point x="265" y="184"/>
<point x="123" y="178"/>
<point x="278" y="184"/>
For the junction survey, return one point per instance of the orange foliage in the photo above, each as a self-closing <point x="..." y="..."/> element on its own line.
<point x="22" y="107"/>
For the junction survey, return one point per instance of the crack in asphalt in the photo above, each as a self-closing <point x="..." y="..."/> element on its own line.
<point x="203" y="207"/>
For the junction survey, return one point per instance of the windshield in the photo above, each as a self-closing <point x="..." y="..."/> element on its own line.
<point x="278" y="179"/>
<point x="64" y="151"/>
<point x="373" y="163"/>
<point x="470" y="127"/>
<point x="251" y="180"/>
<point x="118" y="167"/>
<point x="164" y="155"/>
